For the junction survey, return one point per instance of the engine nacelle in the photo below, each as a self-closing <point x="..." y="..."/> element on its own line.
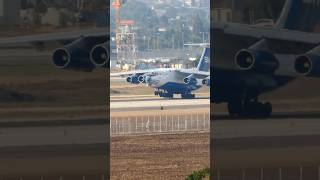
<point x="206" y="81"/>
<point x="142" y="79"/>
<point x="133" y="79"/>
<point x="308" y="65"/>
<point x="254" y="60"/>
<point x="76" y="55"/>
<point x="73" y="56"/>
<point x="100" y="55"/>
<point x="190" y="80"/>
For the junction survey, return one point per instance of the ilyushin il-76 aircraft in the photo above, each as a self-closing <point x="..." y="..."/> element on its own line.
<point x="250" y="60"/>
<point x="168" y="81"/>
<point x="83" y="50"/>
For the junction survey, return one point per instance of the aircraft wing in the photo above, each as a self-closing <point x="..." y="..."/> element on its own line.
<point x="54" y="37"/>
<point x="89" y="44"/>
<point x="249" y="31"/>
<point x="129" y="73"/>
<point x="195" y="72"/>
<point x="184" y="71"/>
<point x="245" y="44"/>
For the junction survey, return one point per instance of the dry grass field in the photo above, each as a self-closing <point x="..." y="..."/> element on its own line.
<point x="159" y="156"/>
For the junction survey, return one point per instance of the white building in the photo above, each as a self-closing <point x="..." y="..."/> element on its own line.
<point x="9" y="12"/>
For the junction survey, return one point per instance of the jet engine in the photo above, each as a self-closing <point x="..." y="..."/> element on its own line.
<point x="133" y="79"/>
<point x="100" y="55"/>
<point x="190" y="80"/>
<point x="75" y="55"/>
<point x="308" y="64"/>
<point x="142" y="79"/>
<point x="255" y="60"/>
<point x="206" y="81"/>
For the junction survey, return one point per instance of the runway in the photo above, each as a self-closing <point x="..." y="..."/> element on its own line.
<point x="278" y="115"/>
<point x="134" y="103"/>
<point x="121" y="98"/>
<point x="285" y="140"/>
<point x="280" y="124"/>
<point x="53" y="147"/>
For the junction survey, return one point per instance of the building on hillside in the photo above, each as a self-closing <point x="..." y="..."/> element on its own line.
<point x="221" y="15"/>
<point x="181" y="63"/>
<point x="9" y="12"/>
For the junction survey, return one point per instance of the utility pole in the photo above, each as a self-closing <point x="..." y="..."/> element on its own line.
<point x="203" y="41"/>
<point x="117" y="6"/>
<point x="172" y="41"/>
<point x="157" y="38"/>
<point x="182" y="39"/>
<point x="125" y="37"/>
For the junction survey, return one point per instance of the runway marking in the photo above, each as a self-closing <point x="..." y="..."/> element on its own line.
<point x="148" y="95"/>
<point x="159" y="103"/>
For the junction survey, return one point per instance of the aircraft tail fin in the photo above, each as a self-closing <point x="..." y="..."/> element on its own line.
<point x="204" y="63"/>
<point x="300" y="15"/>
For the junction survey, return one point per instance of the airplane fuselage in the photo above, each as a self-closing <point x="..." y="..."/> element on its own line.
<point x="170" y="81"/>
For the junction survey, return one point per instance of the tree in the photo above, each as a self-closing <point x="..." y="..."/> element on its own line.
<point x="199" y="175"/>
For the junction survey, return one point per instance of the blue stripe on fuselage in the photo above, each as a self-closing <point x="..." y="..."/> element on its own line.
<point x="178" y="88"/>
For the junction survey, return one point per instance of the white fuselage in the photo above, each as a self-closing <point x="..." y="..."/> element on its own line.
<point x="170" y="80"/>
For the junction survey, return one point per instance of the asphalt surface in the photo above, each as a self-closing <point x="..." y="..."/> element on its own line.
<point x="285" y="140"/>
<point x="54" y="147"/>
<point x="147" y="103"/>
<point x="280" y="124"/>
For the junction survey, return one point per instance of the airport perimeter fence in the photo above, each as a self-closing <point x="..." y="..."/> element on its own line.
<point x="309" y="172"/>
<point x="159" y="124"/>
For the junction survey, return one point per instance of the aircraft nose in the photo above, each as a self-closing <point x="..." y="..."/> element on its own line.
<point x="148" y="79"/>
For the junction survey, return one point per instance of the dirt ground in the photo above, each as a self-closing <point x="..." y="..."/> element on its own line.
<point x="31" y="87"/>
<point x="159" y="156"/>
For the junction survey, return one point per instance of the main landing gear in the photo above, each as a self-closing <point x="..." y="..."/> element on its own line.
<point x="164" y="94"/>
<point x="249" y="108"/>
<point x="169" y="95"/>
<point x="188" y="96"/>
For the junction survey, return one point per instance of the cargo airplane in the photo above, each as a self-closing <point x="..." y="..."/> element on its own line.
<point x="251" y="60"/>
<point x="168" y="81"/>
